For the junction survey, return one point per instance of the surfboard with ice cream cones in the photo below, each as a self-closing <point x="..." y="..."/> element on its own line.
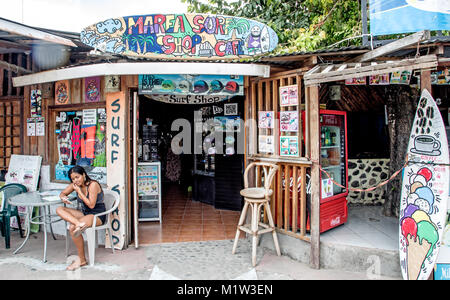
<point x="425" y="188"/>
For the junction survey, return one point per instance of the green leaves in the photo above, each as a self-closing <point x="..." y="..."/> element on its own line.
<point x="301" y="25"/>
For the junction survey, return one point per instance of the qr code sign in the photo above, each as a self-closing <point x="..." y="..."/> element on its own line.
<point x="231" y="109"/>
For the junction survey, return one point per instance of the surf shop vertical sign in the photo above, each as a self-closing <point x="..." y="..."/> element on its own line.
<point x="115" y="164"/>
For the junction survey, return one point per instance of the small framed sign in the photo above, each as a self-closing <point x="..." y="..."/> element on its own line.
<point x="288" y="95"/>
<point x="289" y="146"/>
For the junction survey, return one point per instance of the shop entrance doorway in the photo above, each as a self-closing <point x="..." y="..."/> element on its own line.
<point x="189" y="170"/>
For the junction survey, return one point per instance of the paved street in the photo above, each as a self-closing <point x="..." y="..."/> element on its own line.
<point x="207" y="260"/>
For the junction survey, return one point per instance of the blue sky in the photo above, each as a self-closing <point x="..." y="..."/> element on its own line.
<point x="74" y="15"/>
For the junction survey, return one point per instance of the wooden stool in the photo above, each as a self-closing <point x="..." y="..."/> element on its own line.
<point x="257" y="197"/>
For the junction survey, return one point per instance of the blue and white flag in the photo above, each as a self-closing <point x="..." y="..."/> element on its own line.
<point x="403" y="16"/>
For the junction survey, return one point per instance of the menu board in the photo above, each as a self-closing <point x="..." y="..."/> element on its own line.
<point x="24" y="169"/>
<point x="147" y="179"/>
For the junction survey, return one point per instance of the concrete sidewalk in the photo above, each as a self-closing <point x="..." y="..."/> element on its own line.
<point x="207" y="260"/>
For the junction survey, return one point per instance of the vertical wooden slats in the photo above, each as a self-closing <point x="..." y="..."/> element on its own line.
<point x="286" y="197"/>
<point x="288" y="203"/>
<point x="303" y="202"/>
<point x="278" y="202"/>
<point x="294" y="198"/>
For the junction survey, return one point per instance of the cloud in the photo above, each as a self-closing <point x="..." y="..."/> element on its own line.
<point x="110" y="26"/>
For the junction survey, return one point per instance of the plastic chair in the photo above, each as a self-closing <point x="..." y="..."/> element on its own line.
<point x="257" y="197"/>
<point x="7" y="211"/>
<point x="111" y="200"/>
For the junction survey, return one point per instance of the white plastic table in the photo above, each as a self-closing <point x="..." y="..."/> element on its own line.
<point x="39" y="199"/>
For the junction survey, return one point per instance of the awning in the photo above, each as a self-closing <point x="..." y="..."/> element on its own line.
<point x="329" y="73"/>
<point x="20" y="35"/>
<point x="137" y="68"/>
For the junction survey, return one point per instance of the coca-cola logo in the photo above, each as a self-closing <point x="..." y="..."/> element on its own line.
<point x="299" y="183"/>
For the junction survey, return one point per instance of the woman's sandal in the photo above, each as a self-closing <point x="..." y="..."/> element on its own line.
<point x="75" y="265"/>
<point x="80" y="229"/>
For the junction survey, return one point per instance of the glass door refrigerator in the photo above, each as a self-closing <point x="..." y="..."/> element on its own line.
<point x="334" y="161"/>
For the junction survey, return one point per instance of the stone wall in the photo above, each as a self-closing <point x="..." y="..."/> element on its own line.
<point x="365" y="173"/>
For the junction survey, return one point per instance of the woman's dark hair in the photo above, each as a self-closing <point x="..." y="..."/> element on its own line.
<point x="79" y="170"/>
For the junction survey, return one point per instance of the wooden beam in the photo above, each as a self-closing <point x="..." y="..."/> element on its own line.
<point x="425" y="80"/>
<point x="9" y="47"/>
<point x="13" y="68"/>
<point x="315" y="174"/>
<point x="316" y="77"/>
<point x="136" y="68"/>
<point x="307" y="56"/>
<point x="394" y="46"/>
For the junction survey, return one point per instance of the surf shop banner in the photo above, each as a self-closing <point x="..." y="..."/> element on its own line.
<point x="402" y="16"/>
<point x="181" y="36"/>
<point x="191" y="89"/>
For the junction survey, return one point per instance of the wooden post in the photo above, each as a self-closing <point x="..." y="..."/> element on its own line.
<point x="315" y="174"/>
<point x="425" y="80"/>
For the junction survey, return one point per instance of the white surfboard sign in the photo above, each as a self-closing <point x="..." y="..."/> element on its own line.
<point x="425" y="188"/>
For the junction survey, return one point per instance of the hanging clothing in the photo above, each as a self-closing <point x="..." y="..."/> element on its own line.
<point x="76" y="137"/>
<point x="173" y="167"/>
<point x="100" y="146"/>
<point x="64" y="143"/>
<point x="88" y="141"/>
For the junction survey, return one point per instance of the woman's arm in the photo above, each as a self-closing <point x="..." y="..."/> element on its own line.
<point x="63" y="195"/>
<point x="93" y="188"/>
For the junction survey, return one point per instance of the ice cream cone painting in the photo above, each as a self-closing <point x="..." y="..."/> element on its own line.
<point x="424" y="192"/>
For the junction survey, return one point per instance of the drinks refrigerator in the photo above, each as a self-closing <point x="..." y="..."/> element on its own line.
<point x="334" y="161"/>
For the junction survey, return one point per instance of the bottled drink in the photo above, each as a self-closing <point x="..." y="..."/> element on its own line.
<point x="322" y="136"/>
<point x="327" y="137"/>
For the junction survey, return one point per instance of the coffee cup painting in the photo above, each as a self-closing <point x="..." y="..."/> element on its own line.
<point x="427" y="145"/>
<point x="425" y="187"/>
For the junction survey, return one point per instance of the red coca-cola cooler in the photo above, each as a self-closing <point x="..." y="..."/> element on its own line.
<point x="334" y="161"/>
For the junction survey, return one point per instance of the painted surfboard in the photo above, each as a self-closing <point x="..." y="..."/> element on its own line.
<point x="181" y="36"/>
<point x="425" y="187"/>
<point x="265" y="39"/>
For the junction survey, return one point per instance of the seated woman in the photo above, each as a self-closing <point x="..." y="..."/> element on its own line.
<point x="90" y="195"/>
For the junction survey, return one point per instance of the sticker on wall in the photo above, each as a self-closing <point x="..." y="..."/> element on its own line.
<point x="440" y="77"/>
<point x="36" y="103"/>
<point x="62" y="92"/>
<point x="400" y="77"/>
<point x="266" y="144"/>
<point x="231" y="109"/>
<point x="92" y="89"/>
<point x="382" y="79"/>
<point x="356" y="81"/>
<point x="31" y="127"/>
<point x="112" y="83"/>
<point x="289" y="121"/>
<point x="265" y="119"/>
<point x="288" y="95"/>
<point x="288" y="146"/>
<point x="327" y="188"/>
<point x="228" y="124"/>
<point x="40" y="126"/>
<point x="89" y="116"/>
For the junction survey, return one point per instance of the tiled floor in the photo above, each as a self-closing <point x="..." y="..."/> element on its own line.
<point x="185" y="220"/>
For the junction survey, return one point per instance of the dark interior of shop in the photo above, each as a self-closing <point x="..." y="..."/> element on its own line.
<point x="210" y="178"/>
